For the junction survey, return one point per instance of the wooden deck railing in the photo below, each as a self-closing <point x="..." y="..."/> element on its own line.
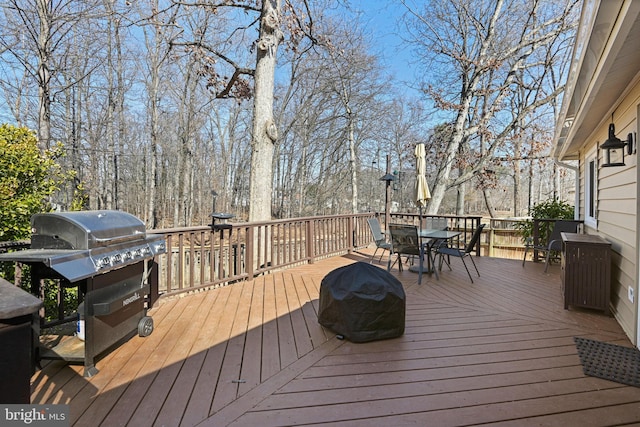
<point x="204" y="257"/>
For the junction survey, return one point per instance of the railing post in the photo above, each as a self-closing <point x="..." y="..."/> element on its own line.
<point x="536" y="238"/>
<point x="311" y="238"/>
<point x="249" y="261"/>
<point x="192" y="258"/>
<point x="492" y="237"/>
<point x="475" y="222"/>
<point x="351" y="234"/>
<point x="181" y="261"/>
<point x="169" y="263"/>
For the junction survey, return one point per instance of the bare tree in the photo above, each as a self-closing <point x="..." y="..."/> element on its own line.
<point x="153" y="100"/>
<point x="115" y="115"/>
<point x="159" y="33"/>
<point x="271" y="17"/>
<point x="401" y="124"/>
<point x="484" y="54"/>
<point x="34" y="33"/>
<point x="305" y="112"/>
<point x="265" y="130"/>
<point x="351" y="75"/>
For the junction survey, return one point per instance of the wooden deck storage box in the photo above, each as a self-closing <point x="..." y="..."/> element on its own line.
<point x="586" y="271"/>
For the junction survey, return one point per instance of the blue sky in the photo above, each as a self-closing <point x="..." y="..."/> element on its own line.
<point x="380" y="18"/>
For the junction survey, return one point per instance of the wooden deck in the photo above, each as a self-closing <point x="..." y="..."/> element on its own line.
<point x="499" y="351"/>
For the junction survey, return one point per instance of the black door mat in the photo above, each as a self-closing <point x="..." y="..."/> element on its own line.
<point x="609" y="361"/>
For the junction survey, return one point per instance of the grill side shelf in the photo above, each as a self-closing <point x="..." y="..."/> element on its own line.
<point x="73" y="265"/>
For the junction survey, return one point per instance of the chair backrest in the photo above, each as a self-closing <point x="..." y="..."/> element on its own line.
<point x="374" y="226"/>
<point x="561" y="226"/>
<point x="404" y="239"/>
<point x="474" y="239"/>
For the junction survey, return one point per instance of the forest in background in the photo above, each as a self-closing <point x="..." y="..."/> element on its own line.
<point x="138" y="93"/>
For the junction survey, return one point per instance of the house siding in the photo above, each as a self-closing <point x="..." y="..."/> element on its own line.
<point x="617" y="195"/>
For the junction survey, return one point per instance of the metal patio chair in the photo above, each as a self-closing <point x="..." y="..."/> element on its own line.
<point x="405" y="241"/>
<point x="378" y="237"/>
<point x="462" y="253"/>
<point x="554" y="242"/>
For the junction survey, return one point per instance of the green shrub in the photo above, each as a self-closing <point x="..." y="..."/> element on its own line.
<point x="28" y="178"/>
<point x="548" y="209"/>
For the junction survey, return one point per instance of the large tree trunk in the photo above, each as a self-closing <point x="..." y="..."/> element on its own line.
<point x="353" y="165"/>
<point x="265" y="132"/>
<point x="442" y="178"/>
<point x="461" y="193"/>
<point x="517" y="182"/>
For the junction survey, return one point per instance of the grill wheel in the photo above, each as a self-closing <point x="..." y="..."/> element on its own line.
<point x="145" y="326"/>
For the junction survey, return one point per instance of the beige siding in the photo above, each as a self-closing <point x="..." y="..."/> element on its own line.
<point x="617" y="211"/>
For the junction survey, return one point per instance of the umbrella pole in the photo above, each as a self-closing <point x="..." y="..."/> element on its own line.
<point x="387" y="196"/>
<point x="387" y="208"/>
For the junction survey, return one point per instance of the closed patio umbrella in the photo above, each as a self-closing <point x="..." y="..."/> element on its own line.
<point x="422" y="188"/>
<point x="422" y="194"/>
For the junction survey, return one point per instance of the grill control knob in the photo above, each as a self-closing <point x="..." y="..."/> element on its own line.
<point x="105" y="262"/>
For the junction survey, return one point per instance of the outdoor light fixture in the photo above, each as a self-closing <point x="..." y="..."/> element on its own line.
<point x="219" y="216"/>
<point x="388" y="178"/>
<point x="614" y="148"/>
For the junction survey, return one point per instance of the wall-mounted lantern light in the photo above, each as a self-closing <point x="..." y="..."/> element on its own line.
<point x="613" y="148"/>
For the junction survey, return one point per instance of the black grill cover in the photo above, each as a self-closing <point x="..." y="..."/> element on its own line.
<point x="362" y="302"/>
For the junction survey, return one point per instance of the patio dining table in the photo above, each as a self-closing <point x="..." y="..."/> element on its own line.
<point x="432" y="239"/>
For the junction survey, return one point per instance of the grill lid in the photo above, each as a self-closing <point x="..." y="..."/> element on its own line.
<point x="84" y="229"/>
<point x="78" y="245"/>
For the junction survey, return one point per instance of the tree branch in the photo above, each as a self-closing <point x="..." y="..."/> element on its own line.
<point x="215" y="6"/>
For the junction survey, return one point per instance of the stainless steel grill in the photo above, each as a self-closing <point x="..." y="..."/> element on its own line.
<point x="78" y="245"/>
<point x="104" y="253"/>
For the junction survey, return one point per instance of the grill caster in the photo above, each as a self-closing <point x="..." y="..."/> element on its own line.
<point x="145" y="326"/>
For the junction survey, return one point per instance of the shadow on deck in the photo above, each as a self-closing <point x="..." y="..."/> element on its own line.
<point x="497" y="351"/>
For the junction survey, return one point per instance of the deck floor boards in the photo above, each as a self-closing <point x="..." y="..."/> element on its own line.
<point x="497" y="351"/>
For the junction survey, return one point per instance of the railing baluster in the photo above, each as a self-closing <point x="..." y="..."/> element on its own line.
<point x="169" y="263"/>
<point x="202" y="257"/>
<point x="181" y="261"/>
<point x="192" y="260"/>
